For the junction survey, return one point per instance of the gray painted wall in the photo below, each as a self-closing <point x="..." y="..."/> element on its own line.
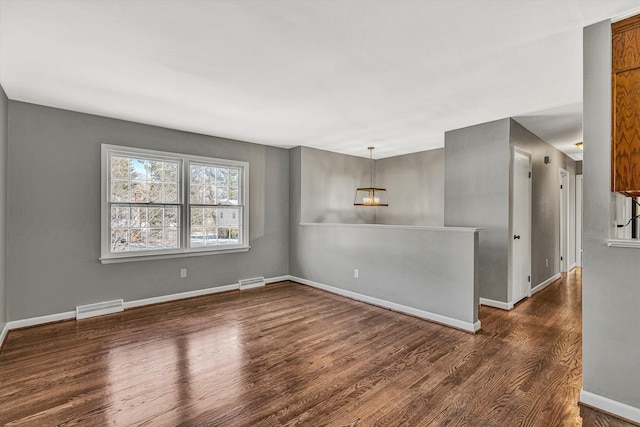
<point x="328" y="184"/>
<point x="545" y="206"/>
<point x="414" y="182"/>
<point x="433" y="270"/>
<point x="54" y="213"/>
<point x="295" y="203"/>
<point x="4" y="129"/>
<point x="476" y="192"/>
<point x="477" y="177"/>
<point x="429" y="270"/>
<point x="611" y="284"/>
<point x="415" y="187"/>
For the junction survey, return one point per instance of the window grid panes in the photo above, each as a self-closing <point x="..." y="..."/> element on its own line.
<point x="144" y="228"/>
<point x="166" y="203"/>
<point x="144" y="211"/>
<point x="138" y="180"/>
<point x="215" y="210"/>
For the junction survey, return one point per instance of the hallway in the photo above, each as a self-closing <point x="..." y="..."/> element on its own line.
<point x="542" y="353"/>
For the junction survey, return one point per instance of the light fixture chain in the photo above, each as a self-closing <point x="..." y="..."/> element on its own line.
<point x="371" y="196"/>
<point x="371" y="180"/>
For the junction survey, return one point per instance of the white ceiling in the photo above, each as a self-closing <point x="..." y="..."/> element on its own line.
<point x="335" y="75"/>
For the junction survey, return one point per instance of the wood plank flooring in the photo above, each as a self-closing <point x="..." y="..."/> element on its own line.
<point x="288" y="354"/>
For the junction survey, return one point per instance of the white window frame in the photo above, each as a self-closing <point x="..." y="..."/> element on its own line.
<point x="185" y="249"/>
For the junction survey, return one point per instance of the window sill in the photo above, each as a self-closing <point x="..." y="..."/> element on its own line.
<point x="635" y="244"/>
<point x="134" y="258"/>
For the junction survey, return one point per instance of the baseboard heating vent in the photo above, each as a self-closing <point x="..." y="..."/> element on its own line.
<point x="100" y="308"/>
<point x="256" y="282"/>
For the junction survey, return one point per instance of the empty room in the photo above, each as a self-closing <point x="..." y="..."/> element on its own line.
<point x="319" y="213"/>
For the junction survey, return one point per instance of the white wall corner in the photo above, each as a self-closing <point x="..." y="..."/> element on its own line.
<point x="614" y="407"/>
<point x="477" y="326"/>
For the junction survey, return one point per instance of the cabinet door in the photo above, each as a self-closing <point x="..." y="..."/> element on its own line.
<point x="626" y="46"/>
<point x="626" y="133"/>
<point x="625" y="154"/>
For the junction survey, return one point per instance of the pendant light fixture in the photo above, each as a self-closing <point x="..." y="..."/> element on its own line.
<point x="371" y="196"/>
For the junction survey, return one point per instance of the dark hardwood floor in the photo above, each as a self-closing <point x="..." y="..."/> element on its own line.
<point x="288" y="354"/>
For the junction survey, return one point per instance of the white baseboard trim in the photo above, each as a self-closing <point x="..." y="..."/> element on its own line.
<point x="277" y="279"/>
<point x="509" y="305"/>
<point x="448" y="321"/>
<point x="196" y="293"/>
<point x="546" y="283"/>
<point x="69" y="315"/>
<point x="496" y="304"/>
<point x="611" y="406"/>
<point x="572" y="266"/>
<point x="180" y="295"/>
<point x="3" y="334"/>
<point x="32" y="321"/>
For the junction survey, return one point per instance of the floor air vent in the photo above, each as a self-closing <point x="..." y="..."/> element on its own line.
<point x="251" y="283"/>
<point x="98" y="309"/>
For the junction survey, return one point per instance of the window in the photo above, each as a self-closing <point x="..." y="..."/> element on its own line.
<point x="165" y="204"/>
<point x="214" y="192"/>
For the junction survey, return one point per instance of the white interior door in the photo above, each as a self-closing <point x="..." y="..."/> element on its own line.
<point x="579" y="220"/>
<point x="564" y="220"/>
<point x="521" y="226"/>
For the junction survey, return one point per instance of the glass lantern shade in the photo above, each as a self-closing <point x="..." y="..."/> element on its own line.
<point x="371" y="197"/>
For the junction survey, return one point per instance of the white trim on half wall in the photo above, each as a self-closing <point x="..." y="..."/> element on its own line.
<point x="437" y="318"/>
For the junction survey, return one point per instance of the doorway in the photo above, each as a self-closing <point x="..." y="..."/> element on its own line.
<point x="520" y="224"/>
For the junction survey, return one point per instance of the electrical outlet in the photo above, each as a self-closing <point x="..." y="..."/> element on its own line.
<point x="356" y="273"/>
<point x="547" y="262"/>
<point x="183" y="272"/>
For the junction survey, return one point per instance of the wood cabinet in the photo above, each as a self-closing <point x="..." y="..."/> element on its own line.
<point x="625" y="91"/>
